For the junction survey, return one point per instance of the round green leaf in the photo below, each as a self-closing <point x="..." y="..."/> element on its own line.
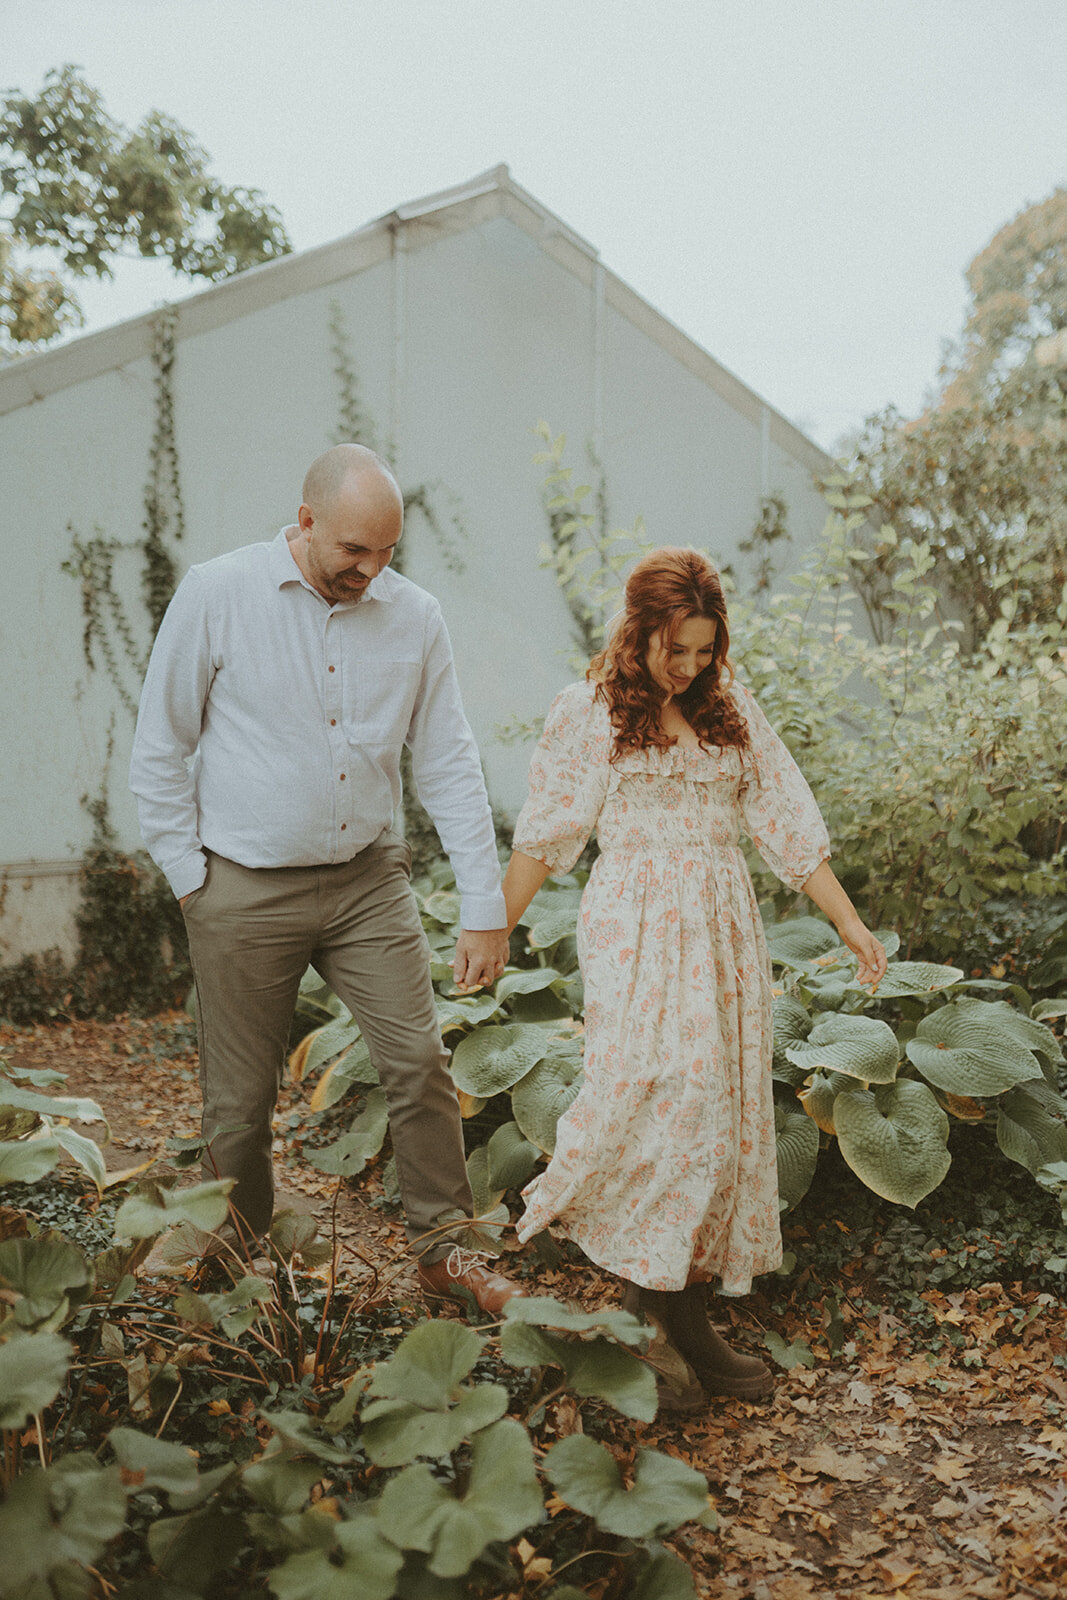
<point x="665" y="1491"/>
<point x="529" y="980"/>
<point x="429" y="1365"/>
<point x="792" y="1024"/>
<point x="797" y="1140"/>
<point x="512" y="1158"/>
<point x="1027" y="1134"/>
<point x="443" y="906"/>
<point x="1028" y="1032"/>
<point x="28" y="1160"/>
<point x="894" y="1139"/>
<point x="798" y="940"/>
<point x="395" y="1432"/>
<point x="860" y="1047"/>
<point x="32" y="1369"/>
<point x="490" y="1060"/>
<point x="915" y="977"/>
<point x="45" y="1270"/>
<point x="541" y="1098"/>
<point x="559" y="923"/>
<point x="964" y="1051"/>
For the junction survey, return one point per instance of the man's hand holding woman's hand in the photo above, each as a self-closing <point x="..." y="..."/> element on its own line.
<point x="480" y="957"/>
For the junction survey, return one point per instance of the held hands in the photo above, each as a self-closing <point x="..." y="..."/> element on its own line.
<point x="869" y="950"/>
<point x="480" y="957"/>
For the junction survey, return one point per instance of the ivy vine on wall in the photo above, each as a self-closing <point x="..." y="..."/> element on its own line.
<point x="110" y="637"/>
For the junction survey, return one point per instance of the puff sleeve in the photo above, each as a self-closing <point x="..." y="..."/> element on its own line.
<point x="569" y="777"/>
<point x="778" y="810"/>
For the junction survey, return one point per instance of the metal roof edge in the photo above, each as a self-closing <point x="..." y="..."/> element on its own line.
<point x="32" y="378"/>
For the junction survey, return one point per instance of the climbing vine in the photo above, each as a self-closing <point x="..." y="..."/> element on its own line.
<point x="356" y="425"/>
<point x="587" y="555"/>
<point x="109" y="636"/>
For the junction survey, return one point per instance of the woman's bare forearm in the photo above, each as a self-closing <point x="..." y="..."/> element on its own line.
<point x="524" y="877"/>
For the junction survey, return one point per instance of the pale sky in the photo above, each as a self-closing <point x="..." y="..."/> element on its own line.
<point x="798" y="186"/>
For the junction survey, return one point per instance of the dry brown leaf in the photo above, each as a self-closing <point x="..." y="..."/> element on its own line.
<point x="825" y="1459"/>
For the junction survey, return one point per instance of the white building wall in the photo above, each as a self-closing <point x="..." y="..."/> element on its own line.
<point x="461" y="345"/>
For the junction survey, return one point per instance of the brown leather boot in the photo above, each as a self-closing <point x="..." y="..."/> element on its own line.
<point x="678" y="1388"/>
<point x="721" y="1370"/>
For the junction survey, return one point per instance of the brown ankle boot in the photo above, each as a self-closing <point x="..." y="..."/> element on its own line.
<point x="721" y="1370"/>
<point x="677" y="1387"/>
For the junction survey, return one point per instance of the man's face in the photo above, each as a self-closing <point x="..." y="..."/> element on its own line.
<point x="348" y="543"/>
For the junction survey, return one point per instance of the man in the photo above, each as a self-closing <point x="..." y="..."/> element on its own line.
<point x="284" y="682"/>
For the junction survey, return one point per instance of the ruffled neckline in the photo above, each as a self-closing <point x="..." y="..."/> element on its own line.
<point x="679" y="760"/>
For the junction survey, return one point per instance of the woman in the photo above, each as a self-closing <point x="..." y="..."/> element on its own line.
<point x="664" y="1170"/>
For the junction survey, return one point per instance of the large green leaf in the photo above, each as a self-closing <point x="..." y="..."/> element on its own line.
<point x="192" y="1548"/>
<point x="797" y="1143"/>
<point x="512" y="1158"/>
<point x="1032" y="1035"/>
<point x="365" y="1137"/>
<point x="86" y="1152"/>
<point x="665" y="1576"/>
<point x="417" y="1511"/>
<point x="46" y="1270"/>
<point x="915" y="977"/>
<point x="491" y="1060"/>
<point x="799" y="940"/>
<point x="540" y="1099"/>
<point x="467" y="1012"/>
<point x="50" y="1105"/>
<point x="894" y="1138"/>
<point x="792" y="1024"/>
<point x="525" y="980"/>
<point x="363" y="1564"/>
<point x="153" y="1463"/>
<point x="559" y="923"/>
<point x="542" y="1311"/>
<point x="493" y="1217"/>
<point x="395" y="1432"/>
<point x="143" y="1215"/>
<point x="596" y="1367"/>
<point x="28" y="1160"/>
<point x="429" y="1365"/>
<point x="64" y="1513"/>
<point x="967" y="1052"/>
<point x="33" y="1367"/>
<point x="443" y="906"/>
<point x="352" y="1067"/>
<point x="1027" y="1134"/>
<point x="860" y="1047"/>
<point x="327" y="1042"/>
<point x="665" y="1492"/>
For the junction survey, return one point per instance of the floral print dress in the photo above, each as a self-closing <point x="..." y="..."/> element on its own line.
<point x="664" y="1170"/>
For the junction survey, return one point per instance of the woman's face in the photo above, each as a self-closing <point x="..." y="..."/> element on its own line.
<point x="673" y="670"/>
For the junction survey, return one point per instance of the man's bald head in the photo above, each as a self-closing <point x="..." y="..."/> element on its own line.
<point x="338" y="468"/>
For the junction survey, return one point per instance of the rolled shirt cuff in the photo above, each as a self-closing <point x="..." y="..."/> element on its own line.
<point x="479" y="912"/>
<point x="188" y="875"/>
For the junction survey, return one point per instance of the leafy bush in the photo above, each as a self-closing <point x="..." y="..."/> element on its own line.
<point x="405" y="1476"/>
<point x="881" y="1074"/>
<point x="942" y="777"/>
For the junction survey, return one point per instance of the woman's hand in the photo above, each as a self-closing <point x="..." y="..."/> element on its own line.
<point x="869" y="950"/>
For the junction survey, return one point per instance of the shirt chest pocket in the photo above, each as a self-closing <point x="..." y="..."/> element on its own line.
<point x="379" y="699"/>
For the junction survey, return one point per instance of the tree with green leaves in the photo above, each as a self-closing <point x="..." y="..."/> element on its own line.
<point x="78" y="190"/>
<point x="981" y="475"/>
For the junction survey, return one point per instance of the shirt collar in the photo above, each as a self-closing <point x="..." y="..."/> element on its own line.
<point x="284" y="569"/>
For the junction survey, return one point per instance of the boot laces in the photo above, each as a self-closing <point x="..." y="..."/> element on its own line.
<point x="459" y="1262"/>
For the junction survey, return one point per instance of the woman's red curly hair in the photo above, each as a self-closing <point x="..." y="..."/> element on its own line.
<point x="665" y="589"/>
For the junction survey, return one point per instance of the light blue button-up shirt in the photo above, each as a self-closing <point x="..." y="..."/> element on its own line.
<point x="272" y="722"/>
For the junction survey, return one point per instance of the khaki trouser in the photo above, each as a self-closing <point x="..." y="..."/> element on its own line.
<point x="252" y="933"/>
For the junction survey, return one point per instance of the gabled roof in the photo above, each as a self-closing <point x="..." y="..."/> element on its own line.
<point x="491" y="194"/>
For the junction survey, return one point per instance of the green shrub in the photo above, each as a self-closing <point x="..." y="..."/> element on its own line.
<point x="296" y="1404"/>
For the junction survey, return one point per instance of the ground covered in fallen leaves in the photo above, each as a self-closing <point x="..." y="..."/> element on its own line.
<point x="917" y="1441"/>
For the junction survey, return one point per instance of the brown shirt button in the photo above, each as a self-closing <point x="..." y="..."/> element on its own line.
<point x="342" y="777"/>
<point x="333" y="722"/>
<point x="344" y="825"/>
<point x="331" y="669"/>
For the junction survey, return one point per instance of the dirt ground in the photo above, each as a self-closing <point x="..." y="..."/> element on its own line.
<point x="887" y="1469"/>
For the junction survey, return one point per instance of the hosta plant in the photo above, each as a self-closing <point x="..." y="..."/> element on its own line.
<point x="884" y="1074"/>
